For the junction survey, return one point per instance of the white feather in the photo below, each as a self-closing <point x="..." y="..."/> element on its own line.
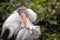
<point x="31" y="15"/>
<point x="12" y="23"/>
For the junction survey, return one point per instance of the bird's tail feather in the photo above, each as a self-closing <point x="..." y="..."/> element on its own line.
<point x="5" y="34"/>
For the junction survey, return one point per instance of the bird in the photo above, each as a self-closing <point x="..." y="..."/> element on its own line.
<point x="12" y="24"/>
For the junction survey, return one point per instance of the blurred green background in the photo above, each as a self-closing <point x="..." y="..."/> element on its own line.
<point x="48" y="12"/>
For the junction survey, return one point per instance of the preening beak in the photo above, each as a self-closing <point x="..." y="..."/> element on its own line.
<point x="22" y="15"/>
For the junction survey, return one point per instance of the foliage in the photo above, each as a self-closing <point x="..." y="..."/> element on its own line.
<point x="43" y="8"/>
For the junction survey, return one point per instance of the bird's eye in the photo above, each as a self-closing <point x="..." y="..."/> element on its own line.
<point x="20" y="11"/>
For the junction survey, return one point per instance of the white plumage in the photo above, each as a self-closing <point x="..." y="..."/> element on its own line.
<point x="13" y="22"/>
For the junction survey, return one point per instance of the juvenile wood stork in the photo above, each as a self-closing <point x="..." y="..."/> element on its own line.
<point x="12" y="24"/>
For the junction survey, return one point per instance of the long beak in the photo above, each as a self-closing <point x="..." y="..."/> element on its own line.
<point x="24" y="18"/>
<point x="22" y="15"/>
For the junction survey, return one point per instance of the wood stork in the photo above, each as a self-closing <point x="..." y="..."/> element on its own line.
<point x="12" y="24"/>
